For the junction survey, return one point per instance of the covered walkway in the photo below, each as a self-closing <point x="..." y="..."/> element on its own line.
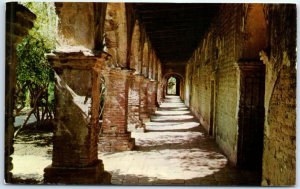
<point x="175" y="149"/>
<point x="232" y="65"/>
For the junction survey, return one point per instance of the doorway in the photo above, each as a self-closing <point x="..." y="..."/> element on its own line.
<point x="251" y="116"/>
<point x="212" y="130"/>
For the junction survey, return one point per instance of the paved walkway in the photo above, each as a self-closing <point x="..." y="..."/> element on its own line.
<point x="174" y="150"/>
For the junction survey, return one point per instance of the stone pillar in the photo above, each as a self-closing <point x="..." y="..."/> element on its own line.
<point x="134" y="122"/>
<point x="18" y="21"/>
<point x="159" y="93"/>
<point x="77" y="93"/>
<point x="154" y="96"/>
<point x="144" y="112"/>
<point x="114" y="135"/>
<point x="151" y="94"/>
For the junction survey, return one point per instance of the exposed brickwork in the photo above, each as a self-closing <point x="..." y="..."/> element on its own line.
<point x="76" y="118"/>
<point x="151" y="94"/>
<point x="200" y="71"/>
<point x="159" y="92"/>
<point x="213" y="64"/>
<point x="144" y="112"/>
<point x="114" y="135"/>
<point x="134" y="122"/>
<point x="213" y="84"/>
<point x="159" y="84"/>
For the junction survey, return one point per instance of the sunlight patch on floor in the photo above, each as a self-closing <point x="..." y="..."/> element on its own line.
<point x="178" y="112"/>
<point x="171" y="118"/>
<point x="30" y="166"/>
<point x="157" y="126"/>
<point x="165" y="164"/>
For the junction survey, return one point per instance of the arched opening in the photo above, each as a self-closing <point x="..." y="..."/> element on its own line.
<point x="135" y="55"/>
<point x="172" y="86"/>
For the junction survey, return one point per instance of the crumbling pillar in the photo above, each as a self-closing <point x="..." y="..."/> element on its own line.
<point x="18" y="21"/>
<point x="151" y="94"/>
<point x="77" y="93"/>
<point x="144" y="112"/>
<point x="134" y="122"/>
<point x="159" y="93"/>
<point x="154" y="96"/>
<point x="114" y="135"/>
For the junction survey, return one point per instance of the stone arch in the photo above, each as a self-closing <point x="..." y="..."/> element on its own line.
<point x="150" y="65"/>
<point x="155" y="67"/>
<point x="135" y="55"/>
<point x="145" y="58"/>
<point x="255" y="29"/>
<point x="115" y="28"/>
<point x="180" y="80"/>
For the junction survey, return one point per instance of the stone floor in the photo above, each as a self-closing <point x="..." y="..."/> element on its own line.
<point x="174" y="150"/>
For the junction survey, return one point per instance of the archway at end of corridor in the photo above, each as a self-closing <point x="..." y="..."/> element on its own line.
<point x="173" y="85"/>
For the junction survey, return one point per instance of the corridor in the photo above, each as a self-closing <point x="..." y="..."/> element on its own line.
<point x="154" y="94"/>
<point x="175" y="149"/>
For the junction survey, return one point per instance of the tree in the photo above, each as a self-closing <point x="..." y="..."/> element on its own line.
<point x="34" y="73"/>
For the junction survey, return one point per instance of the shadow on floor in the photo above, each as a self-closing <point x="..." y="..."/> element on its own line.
<point x="227" y="176"/>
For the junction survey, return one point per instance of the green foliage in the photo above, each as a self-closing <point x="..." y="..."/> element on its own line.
<point x="45" y="23"/>
<point x="32" y="65"/>
<point x="34" y="73"/>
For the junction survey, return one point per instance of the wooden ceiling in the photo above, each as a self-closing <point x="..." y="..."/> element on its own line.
<point x="175" y="29"/>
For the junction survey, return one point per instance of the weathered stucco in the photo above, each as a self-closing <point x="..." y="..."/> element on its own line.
<point x="279" y="158"/>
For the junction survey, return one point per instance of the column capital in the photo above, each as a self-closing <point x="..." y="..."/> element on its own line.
<point x="77" y="58"/>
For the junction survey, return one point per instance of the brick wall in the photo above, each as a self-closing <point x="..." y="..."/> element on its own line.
<point x="208" y="64"/>
<point x="224" y="45"/>
<point x="279" y="158"/>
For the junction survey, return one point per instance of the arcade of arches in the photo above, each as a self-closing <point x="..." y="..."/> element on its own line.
<point x="233" y="66"/>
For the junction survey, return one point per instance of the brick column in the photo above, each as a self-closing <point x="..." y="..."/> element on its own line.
<point x="77" y="93"/>
<point x="151" y="94"/>
<point x="144" y="112"/>
<point x="154" y="96"/>
<point x="114" y="135"/>
<point x="159" y="93"/>
<point x="134" y="122"/>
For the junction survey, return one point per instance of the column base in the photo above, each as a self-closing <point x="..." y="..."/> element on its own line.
<point x="146" y="119"/>
<point x="137" y="127"/>
<point x="115" y="142"/>
<point x="93" y="174"/>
